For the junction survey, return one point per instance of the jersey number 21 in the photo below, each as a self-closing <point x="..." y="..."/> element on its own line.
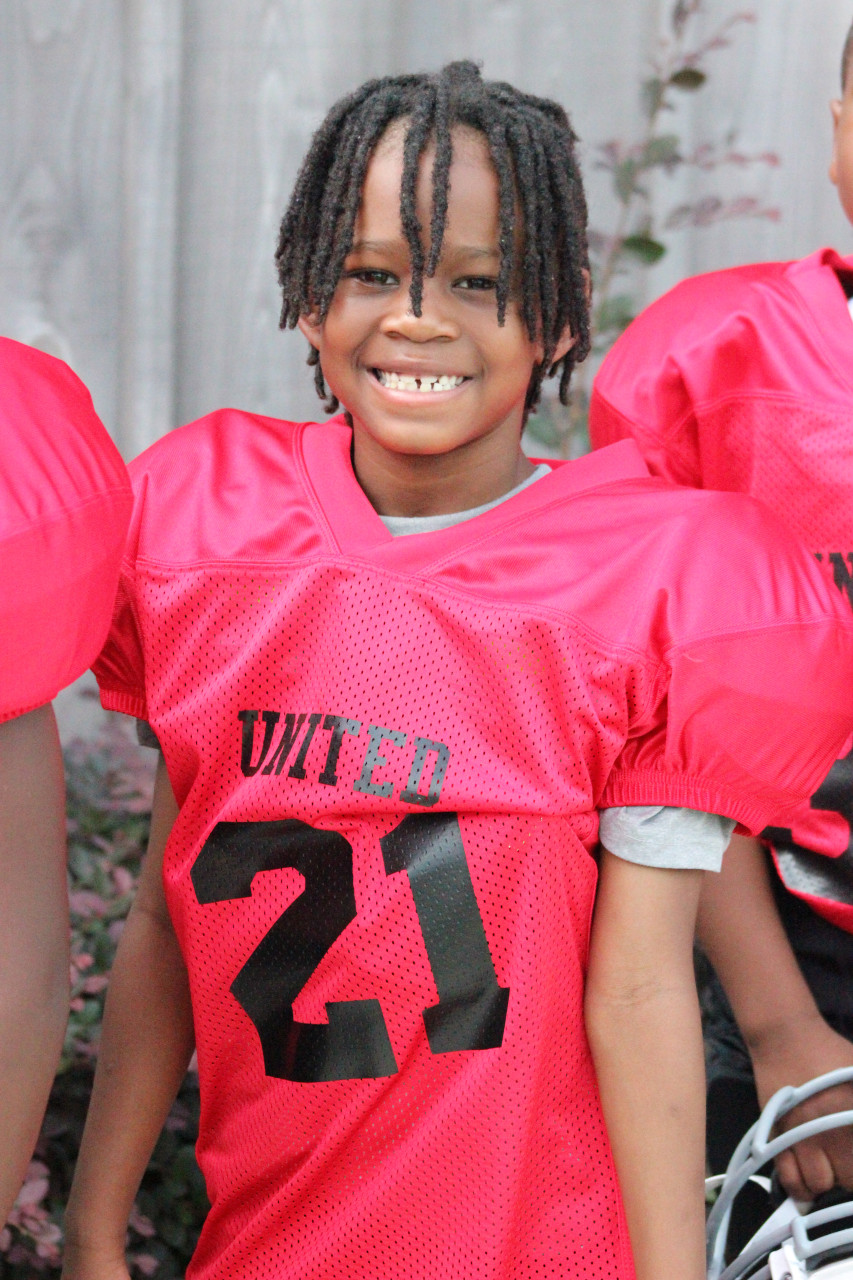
<point x="471" y="1010"/>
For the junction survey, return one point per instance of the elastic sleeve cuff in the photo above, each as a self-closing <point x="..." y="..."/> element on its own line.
<point x="129" y="704"/>
<point x="649" y="787"/>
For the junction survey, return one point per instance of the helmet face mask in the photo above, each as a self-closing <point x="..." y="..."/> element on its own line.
<point x="797" y="1242"/>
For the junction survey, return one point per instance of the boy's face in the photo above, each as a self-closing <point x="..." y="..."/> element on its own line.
<point x="841" y="165"/>
<point x="452" y="380"/>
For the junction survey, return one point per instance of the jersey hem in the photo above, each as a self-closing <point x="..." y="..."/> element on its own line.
<point x="6" y="716"/>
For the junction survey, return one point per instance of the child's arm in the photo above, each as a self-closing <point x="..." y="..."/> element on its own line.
<point x="33" y="935"/>
<point x="145" y="1048"/>
<point x="788" y="1040"/>
<point x="642" y="1018"/>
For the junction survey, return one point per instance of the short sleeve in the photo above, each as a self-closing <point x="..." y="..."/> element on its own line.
<point x="749" y="727"/>
<point x="756" y="694"/>
<point x="120" y="666"/>
<point x="65" y="502"/>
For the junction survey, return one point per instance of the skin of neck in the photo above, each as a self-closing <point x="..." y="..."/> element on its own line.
<point x="418" y="485"/>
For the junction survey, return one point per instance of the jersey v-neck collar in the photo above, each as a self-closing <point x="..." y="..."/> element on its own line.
<point x="354" y="528"/>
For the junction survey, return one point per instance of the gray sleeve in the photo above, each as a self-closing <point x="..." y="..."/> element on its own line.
<point x="660" y="836"/>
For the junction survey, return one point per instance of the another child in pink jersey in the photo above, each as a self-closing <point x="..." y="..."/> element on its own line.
<point x="64" y="506"/>
<point x="395" y="668"/>
<point x="743" y="380"/>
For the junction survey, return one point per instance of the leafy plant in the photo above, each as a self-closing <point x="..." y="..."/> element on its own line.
<point x="638" y="238"/>
<point x="109" y="785"/>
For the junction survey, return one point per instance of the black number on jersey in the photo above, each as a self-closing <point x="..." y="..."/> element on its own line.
<point x="471" y="1011"/>
<point x="355" y="1043"/>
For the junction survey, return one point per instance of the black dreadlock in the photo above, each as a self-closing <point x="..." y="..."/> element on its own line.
<point x="532" y="147"/>
<point x="846" y="56"/>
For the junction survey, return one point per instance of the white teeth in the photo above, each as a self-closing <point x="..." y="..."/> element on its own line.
<point x="425" y="383"/>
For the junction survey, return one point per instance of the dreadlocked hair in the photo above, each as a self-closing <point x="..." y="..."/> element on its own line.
<point x="532" y="147"/>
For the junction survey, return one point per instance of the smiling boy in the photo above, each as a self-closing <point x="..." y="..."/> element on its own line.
<point x="394" y="669"/>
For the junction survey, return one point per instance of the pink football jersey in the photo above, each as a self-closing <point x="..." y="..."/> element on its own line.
<point x="65" y="502"/>
<point x="388" y="755"/>
<point x="743" y="380"/>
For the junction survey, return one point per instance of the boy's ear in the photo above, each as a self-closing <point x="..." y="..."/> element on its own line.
<point x="312" y="328"/>
<point x="835" y="107"/>
<point x="568" y="339"/>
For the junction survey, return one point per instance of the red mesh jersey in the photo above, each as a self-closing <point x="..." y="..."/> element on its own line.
<point x="743" y="380"/>
<point x="388" y="755"/>
<point x="64" y="506"/>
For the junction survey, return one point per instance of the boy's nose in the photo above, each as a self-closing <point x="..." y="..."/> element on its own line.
<point x="434" y="322"/>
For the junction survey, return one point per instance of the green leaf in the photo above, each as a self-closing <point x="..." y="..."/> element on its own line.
<point x="689" y="79"/>
<point x="652" y="95"/>
<point x="662" y="151"/>
<point x="646" y="249"/>
<point x="625" y="180"/>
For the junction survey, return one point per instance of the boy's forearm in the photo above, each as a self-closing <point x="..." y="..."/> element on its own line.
<point x="653" y="1106"/>
<point x="33" y="936"/>
<point x="788" y="1040"/>
<point x="768" y="994"/>
<point x="146" y="1045"/>
<point x="145" y="1048"/>
<point x="644" y="1030"/>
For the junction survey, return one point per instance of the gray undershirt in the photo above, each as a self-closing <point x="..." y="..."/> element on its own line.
<point x="401" y="526"/>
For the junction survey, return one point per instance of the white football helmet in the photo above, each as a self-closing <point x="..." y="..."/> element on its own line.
<point x="788" y="1246"/>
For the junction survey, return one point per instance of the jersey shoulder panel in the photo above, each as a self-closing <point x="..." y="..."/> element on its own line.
<point x="646" y="385"/>
<point x="55" y="453"/>
<point x="227" y="487"/>
<point x="775" y="333"/>
<point x="64" y="506"/>
<point x="606" y="557"/>
<point x="683" y="321"/>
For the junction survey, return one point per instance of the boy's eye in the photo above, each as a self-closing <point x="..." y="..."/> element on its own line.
<point x="372" y="275"/>
<point x="477" y="284"/>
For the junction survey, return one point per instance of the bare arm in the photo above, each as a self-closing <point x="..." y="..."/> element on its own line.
<point x="642" y="1019"/>
<point x="33" y="935"/>
<point x="788" y="1040"/>
<point x="146" y="1045"/>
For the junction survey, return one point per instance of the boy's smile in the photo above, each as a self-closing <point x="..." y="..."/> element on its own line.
<point x="437" y="400"/>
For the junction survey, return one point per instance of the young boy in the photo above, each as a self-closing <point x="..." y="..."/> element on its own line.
<point x="64" y="506"/>
<point x="741" y="380"/>
<point x="394" y="668"/>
